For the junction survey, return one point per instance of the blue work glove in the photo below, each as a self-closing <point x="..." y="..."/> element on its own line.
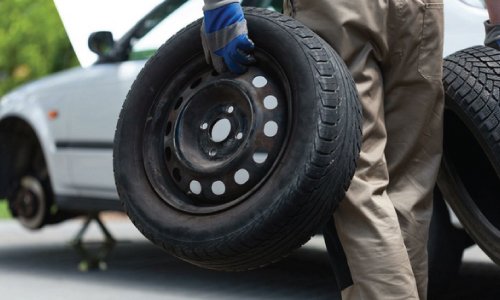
<point x="225" y="39"/>
<point x="492" y="35"/>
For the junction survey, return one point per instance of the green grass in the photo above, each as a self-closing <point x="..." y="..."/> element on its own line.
<point x="4" y="210"/>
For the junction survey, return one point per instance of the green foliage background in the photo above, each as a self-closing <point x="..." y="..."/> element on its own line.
<point x="4" y="210"/>
<point x="33" y="42"/>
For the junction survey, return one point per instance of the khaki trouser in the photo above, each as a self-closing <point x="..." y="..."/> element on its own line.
<point x="394" y="50"/>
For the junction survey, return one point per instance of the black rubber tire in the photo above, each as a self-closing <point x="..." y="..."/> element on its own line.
<point x="305" y="186"/>
<point x="469" y="177"/>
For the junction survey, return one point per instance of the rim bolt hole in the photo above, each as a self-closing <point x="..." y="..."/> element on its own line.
<point x="241" y="176"/>
<point x="204" y="126"/>
<point x="239" y="136"/>
<point x="177" y="174"/>
<point x="259" y="81"/>
<point x="271" y="129"/>
<point x="270" y="102"/>
<point x="178" y="103"/>
<point x="195" y="187"/>
<point x="260" y="157"/>
<point x="169" y="128"/>
<point x="230" y="109"/>
<point x="168" y="153"/>
<point x="212" y="153"/>
<point x="218" y="188"/>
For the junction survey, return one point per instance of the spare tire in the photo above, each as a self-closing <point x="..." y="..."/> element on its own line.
<point x="233" y="172"/>
<point x="470" y="175"/>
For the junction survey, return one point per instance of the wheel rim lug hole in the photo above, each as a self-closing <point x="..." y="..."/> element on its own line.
<point x="195" y="187"/>
<point x="259" y="81"/>
<point x="260" y="157"/>
<point x="241" y="176"/>
<point x="270" y="102"/>
<point x="177" y="174"/>
<point x="271" y="129"/>
<point x="218" y="188"/>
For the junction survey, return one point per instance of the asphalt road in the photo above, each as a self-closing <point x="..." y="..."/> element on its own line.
<point x="43" y="265"/>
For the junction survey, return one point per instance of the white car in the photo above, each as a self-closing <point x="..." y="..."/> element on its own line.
<point x="56" y="133"/>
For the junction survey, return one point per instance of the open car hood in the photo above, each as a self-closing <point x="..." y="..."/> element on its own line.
<point x="82" y="17"/>
<point x="463" y="21"/>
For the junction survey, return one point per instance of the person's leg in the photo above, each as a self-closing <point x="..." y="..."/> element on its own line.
<point x="366" y="219"/>
<point x="413" y="113"/>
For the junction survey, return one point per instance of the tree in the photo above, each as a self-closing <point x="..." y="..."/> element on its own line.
<point x="33" y="42"/>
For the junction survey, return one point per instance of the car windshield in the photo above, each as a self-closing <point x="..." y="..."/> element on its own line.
<point x="168" y="18"/>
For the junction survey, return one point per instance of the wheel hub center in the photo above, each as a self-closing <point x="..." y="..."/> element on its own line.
<point x="220" y="130"/>
<point x="212" y="126"/>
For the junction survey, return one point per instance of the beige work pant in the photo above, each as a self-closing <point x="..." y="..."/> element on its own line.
<point x="394" y="50"/>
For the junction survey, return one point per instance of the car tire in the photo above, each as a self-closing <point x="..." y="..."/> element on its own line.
<point x="292" y="200"/>
<point x="469" y="177"/>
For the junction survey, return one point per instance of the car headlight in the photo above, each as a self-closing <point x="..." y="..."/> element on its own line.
<point x="475" y="3"/>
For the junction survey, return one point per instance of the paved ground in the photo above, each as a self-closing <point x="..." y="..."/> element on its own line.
<point x="42" y="265"/>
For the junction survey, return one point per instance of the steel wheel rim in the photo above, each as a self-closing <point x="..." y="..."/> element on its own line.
<point x="199" y="171"/>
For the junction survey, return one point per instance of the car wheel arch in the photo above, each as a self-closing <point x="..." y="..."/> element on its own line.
<point x="19" y="140"/>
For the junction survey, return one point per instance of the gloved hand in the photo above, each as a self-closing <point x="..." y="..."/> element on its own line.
<point x="225" y="39"/>
<point x="492" y="35"/>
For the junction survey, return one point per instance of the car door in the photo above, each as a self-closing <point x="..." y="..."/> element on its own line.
<point x="95" y="105"/>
